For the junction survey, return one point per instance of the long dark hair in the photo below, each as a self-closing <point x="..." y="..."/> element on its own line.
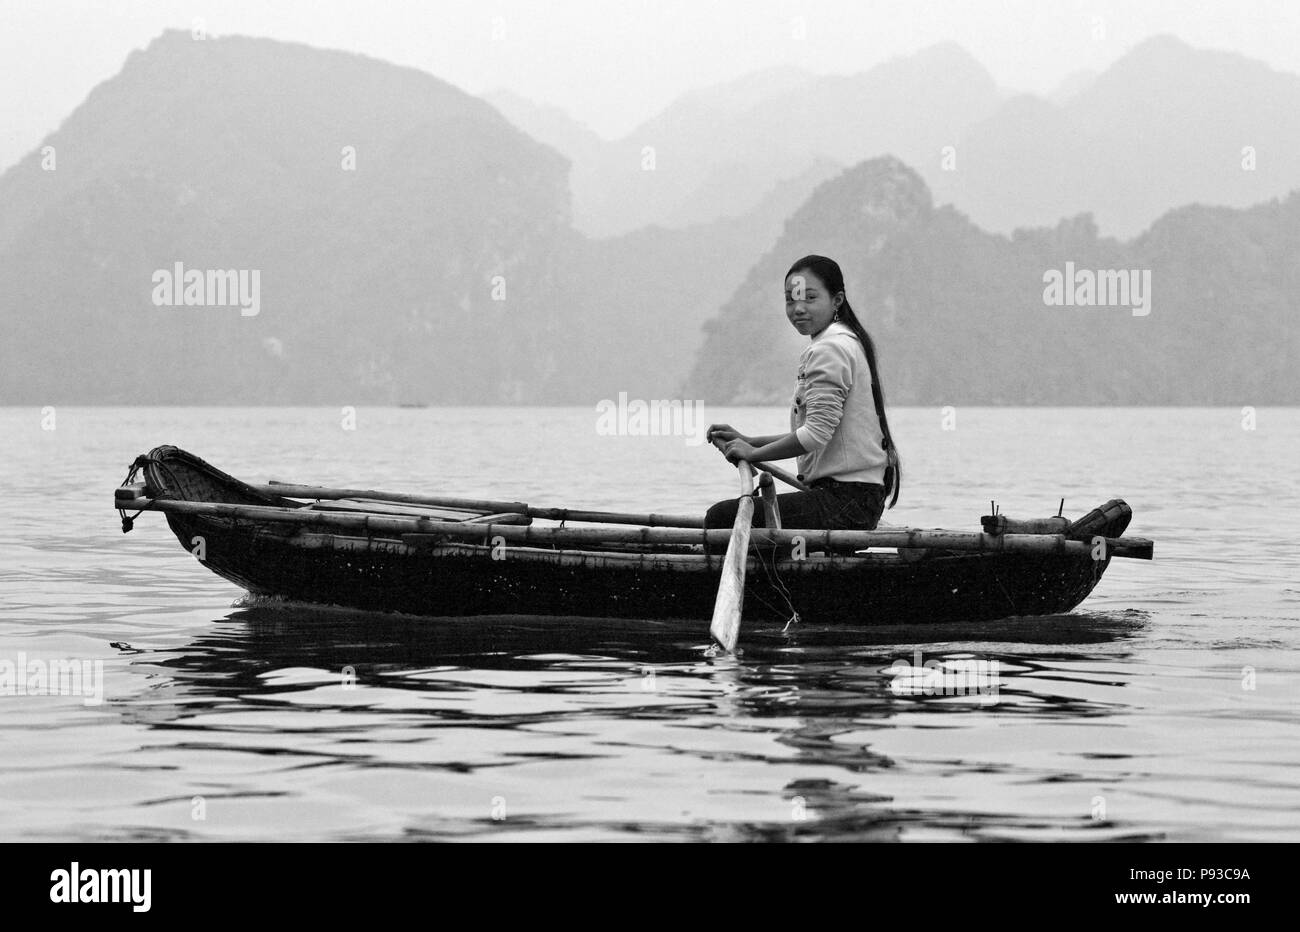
<point x="828" y="272"/>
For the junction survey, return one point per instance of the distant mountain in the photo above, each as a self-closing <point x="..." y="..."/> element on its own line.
<point x="909" y="107"/>
<point x="377" y="285"/>
<point x="549" y="125"/>
<point x="959" y="314"/>
<point x="412" y="245"/>
<point x="717" y="152"/>
<point x="638" y="302"/>
<point x="1071" y="86"/>
<point x="735" y="184"/>
<point x="742" y="94"/>
<point x="11" y="150"/>
<point x="229" y="153"/>
<point x="1165" y="125"/>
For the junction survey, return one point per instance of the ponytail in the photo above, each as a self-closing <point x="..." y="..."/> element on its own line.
<point x="894" y="469"/>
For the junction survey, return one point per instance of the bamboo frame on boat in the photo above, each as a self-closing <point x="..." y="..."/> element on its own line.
<point x="831" y="541"/>
<point x="634" y="559"/>
<point x="483" y="505"/>
<point x="471" y="506"/>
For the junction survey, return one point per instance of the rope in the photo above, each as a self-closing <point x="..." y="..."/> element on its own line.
<point x="129" y="522"/>
<point x="778" y="586"/>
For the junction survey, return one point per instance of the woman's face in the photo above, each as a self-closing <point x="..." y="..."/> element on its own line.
<point x="808" y="304"/>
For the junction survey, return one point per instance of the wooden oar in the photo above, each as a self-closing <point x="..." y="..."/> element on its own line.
<point x="725" y="626"/>
<point x="783" y="476"/>
<point x="779" y="473"/>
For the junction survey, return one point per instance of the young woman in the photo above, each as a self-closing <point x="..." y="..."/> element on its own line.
<point x="838" y="427"/>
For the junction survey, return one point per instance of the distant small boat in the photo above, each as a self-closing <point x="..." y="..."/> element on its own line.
<point x="413" y="404"/>
<point x="443" y="556"/>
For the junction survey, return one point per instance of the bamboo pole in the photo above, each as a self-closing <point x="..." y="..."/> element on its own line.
<point x="725" y="626"/>
<point x="1001" y="524"/>
<point x="404" y="509"/>
<point x="680" y="562"/>
<point x="482" y="506"/>
<point x="830" y="541"/>
<point x="327" y="493"/>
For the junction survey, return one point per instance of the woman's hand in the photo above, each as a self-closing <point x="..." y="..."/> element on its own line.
<point x="723" y="432"/>
<point x="737" y="450"/>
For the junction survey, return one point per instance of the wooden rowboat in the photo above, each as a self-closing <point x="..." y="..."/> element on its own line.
<point x="441" y="556"/>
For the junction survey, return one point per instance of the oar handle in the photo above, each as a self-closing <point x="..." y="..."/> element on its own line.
<point x="771" y="470"/>
<point x="782" y="475"/>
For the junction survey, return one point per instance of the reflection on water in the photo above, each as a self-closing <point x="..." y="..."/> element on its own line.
<point x="468" y="700"/>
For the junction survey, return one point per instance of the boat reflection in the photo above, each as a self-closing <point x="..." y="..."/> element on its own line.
<point x="832" y="671"/>
<point x="809" y="699"/>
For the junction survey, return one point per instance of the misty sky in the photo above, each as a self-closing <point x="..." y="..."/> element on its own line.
<point x="614" y="63"/>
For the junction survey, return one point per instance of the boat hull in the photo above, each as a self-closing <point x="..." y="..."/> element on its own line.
<point x="380" y="574"/>
<point x="438" y="577"/>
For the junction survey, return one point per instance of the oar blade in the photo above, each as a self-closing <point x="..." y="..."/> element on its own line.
<point x="730" y="602"/>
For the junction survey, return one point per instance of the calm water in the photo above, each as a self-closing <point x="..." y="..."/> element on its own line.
<point x="1165" y="707"/>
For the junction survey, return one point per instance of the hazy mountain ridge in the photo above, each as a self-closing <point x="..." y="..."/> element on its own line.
<point x="194" y="153"/>
<point x="753" y="131"/>
<point x="548" y="124"/>
<point x="380" y="285"/>
<point x="1164" y="125"/>
<point x="959" y="317"/>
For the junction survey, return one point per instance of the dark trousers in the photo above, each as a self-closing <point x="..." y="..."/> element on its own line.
<point x="837" y="506"/>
